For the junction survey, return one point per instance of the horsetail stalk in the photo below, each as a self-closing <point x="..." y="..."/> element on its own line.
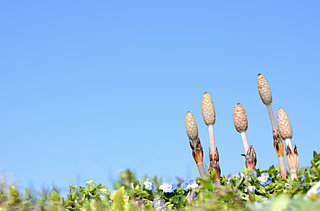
<point x="286" y="134"/>
<point x="195" y="144"/>
<point x="266" y="97"/>
<point x="209" y="117"/>
<point x="214" y="164"/>
<point x="241" y="124"/>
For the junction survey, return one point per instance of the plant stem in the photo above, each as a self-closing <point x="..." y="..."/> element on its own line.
<point x="272" y="119"/>
<point x="244" y="141"/>
<point x="201" y="170"/>
<point x="283" y="171"/>
<point x="293" y="174"/>
<point x="211" y="137"/>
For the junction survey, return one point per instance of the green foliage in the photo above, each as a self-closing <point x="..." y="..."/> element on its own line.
<point x="244" y="191"/>
<point x="118" y="200"/>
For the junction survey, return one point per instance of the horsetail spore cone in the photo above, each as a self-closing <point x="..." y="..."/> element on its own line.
<point x="208" y="111"/>
<point x="240" y="118"/>
<point x="195" y="144"/>
<point x="285" y="127"/>
<point x="209" y="117"/>
<point x="191" y="127"/>
<point x="266" y="97"/>
<point x="264" y="90"/>
<point x="241" y="124"/>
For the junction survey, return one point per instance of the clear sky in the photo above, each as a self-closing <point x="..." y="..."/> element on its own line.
<point x="91" y="87"/>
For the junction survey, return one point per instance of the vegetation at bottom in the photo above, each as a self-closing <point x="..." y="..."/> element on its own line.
<point x="248" y="190"/>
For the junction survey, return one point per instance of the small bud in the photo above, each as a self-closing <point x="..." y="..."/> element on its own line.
<point x="208" y="111"/>
<point x="264" y="90"/>
<point x="251" y="158"/>
<point x="240" y="118"/>
<point x="284" y="124"/>
<point x="197" y="151"/>
<point x="191" y="127"/>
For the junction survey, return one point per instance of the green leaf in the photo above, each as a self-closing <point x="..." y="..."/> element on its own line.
<point x="118" y="200"/>
<point x="88" y="182"/>
<point x="104" y="190"/>
<point x="91" y="187"/>
<point x="245" y="171"/>
<point x="54" y="196"/>
<point x="73" y="187"/>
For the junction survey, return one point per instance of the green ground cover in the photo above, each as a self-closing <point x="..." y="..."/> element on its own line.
<point x="248" y="190"/>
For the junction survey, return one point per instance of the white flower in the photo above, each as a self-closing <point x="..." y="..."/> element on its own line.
<point x="167" y="188"/>
<point x="148" y="184"/>
<point x="192" y="184"/>
<point x="264" y="179"/>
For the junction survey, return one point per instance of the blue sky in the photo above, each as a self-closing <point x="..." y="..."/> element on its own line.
<point x="89" y="88"/>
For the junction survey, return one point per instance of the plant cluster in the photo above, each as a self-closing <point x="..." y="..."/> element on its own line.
<point x="250" y="189"/>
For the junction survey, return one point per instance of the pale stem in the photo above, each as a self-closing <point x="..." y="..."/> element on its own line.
<point x="211" y="137"/>
<point x="272" y="119"/>
<point x="201" y="170"/>
<point x="244" y="141"/>
<point x="293" y="174"/>
<point x="283" y="171"/>
<point x="288" y="143"/>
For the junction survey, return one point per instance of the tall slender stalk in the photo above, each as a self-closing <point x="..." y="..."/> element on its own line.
<point x="241" y="125"/>
<point x="266" y="97"/>
<point x="209" y="117"/>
